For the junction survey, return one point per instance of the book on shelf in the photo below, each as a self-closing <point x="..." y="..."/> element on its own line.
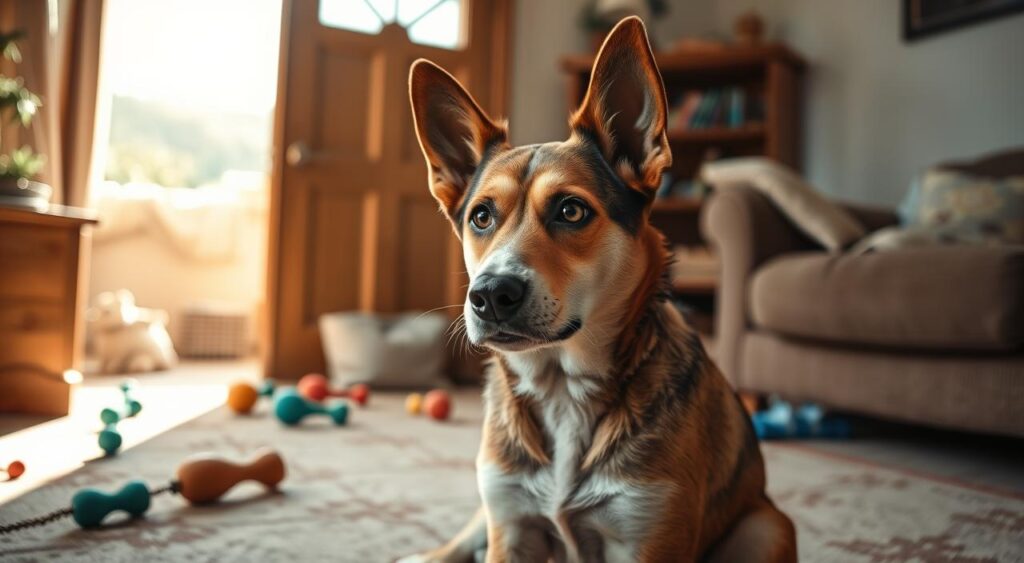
<point x="731" y="107"/>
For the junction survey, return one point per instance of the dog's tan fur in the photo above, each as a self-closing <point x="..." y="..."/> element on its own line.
<point x="620" y="440"/>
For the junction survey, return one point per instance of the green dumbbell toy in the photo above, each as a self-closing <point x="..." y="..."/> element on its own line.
<point x="109" y="439"/>
<point x="131" y="406"/>
<point x="89" y="507"/>
<point x="290" y="408"/>
<point x="200" y="480"/>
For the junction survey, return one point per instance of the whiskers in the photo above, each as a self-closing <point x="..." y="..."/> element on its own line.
<point x="442" y="307"/>
<point x="458" y="335"/>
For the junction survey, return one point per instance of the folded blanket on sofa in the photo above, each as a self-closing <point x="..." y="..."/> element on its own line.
<point x="822" y="220"/>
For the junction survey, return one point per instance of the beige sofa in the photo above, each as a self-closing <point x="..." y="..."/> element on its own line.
<point x="927" y="335"/>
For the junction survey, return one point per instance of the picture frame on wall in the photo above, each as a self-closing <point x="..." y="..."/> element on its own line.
<point x="922" y="18"/>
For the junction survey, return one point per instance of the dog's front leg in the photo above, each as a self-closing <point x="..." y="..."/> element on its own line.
<point x="460" y="549"/>
<point x="516" y="543"/>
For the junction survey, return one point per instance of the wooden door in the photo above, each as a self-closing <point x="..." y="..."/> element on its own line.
<point x="353" y="226"/>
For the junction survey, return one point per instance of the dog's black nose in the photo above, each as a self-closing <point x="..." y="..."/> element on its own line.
<point x="497" y="298"/>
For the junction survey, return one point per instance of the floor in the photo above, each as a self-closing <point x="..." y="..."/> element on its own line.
<point x="388" y="484"/>
<point x="169" y="399"/>
<point x="194" y="388"/>
<point x="387" y="473"/>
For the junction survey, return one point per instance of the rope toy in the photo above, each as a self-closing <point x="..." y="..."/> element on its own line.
<point x="200" y="480"/>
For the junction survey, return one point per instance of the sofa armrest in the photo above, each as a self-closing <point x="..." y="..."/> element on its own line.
<point x="873" y="218"/>
<point x="745" y="229"/>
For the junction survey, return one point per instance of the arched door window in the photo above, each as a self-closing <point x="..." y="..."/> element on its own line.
<point x="437" y="23"/>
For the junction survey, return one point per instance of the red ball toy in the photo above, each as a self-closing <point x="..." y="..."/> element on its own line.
<point x="437" y="404"/>
<point x="316" y="387"/>
<point x="14" y="470"/>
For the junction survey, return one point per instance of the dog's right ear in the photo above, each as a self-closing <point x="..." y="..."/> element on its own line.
<point x="453" y="131"/>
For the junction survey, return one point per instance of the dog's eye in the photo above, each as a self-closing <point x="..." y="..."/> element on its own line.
<point x="572" y="211"/>
<point x="482" y="217"/>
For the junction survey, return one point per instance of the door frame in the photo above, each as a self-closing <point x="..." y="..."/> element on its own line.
<point x="495" y="103"/>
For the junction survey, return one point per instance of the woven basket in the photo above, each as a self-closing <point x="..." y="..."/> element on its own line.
<point x="209" y="333"/>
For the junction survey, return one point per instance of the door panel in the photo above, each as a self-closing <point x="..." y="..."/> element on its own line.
<point x="333" y="217"/>
<point x="353" y="226"/>
<point x="346" y="81"/>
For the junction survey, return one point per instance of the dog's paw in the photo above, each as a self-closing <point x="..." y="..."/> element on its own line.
<point x="418" y="558"/>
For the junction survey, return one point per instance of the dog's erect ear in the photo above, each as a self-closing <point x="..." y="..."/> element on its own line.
<point x="625" y="108"/>
<point x="453" y="131"/>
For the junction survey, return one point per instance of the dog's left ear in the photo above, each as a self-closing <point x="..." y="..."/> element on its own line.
<point x="453" y="131"/>
<point x="625" y="108"/>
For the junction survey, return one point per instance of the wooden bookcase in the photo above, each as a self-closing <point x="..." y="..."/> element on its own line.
<point x="769" y="74"/>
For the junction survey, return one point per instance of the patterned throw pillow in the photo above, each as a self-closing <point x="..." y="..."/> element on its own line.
<point x="984" y="208"/>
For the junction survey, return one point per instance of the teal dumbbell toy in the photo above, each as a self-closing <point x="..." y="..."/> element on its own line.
<point x="109" y="439"/>
<point x="131" y="406"/>
<point x="290" y="408"/>
<point x="89" y="507"/>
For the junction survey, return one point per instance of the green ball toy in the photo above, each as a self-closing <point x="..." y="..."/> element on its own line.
<point x="290" y="409"/>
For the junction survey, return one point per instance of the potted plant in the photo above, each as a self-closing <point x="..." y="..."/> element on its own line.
<point x="19" y="166"/>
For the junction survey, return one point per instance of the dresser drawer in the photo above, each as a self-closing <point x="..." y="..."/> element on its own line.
<point x="35" y="262"/>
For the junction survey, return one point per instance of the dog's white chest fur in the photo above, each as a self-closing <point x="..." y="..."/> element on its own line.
<point x="592" y="516"/>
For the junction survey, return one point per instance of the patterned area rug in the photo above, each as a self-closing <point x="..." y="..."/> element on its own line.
<point x="389" y="484"/>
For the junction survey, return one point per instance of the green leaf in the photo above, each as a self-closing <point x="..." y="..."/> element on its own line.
<point x="21" y="163"/>
<point x="9" y="46"/>
<point x="13" y="94"/>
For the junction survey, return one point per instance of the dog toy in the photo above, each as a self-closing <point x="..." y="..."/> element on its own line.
<point x="130" y="408"/>
<point x="109" y="439"/>
<point x="414" y="404"/>
<point x="316" y="387"/>
<point x="13" y="470"/>
<point x="437" y="404"/>
<point x="199" y="480"/>
<point x="242" y="396"/>
<point x="291" y="408"/>
<point x="782" y="421"/>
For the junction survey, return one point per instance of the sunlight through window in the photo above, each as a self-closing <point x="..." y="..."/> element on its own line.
<point x="192" y="85"/>
<point x="436" y="23"/>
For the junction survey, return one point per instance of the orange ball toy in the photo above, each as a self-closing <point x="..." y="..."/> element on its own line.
<point x="242" y="397"/>
<point x="437" y="404"/>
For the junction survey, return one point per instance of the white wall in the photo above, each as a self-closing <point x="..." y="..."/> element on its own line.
<point x="878" y="109"/>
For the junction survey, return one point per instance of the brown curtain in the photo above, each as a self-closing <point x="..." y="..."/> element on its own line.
<point x="60" y="63"/>
<point x="80" y="97"/>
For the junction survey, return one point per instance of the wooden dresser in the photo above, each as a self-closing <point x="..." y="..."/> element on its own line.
<point x="43" y="258"/>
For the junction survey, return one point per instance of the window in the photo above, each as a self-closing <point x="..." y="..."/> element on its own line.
<point x="192" y="86"/>
<point x="437" y="23"/>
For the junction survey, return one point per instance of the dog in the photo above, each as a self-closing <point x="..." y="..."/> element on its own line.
<point x="609" y="434"/>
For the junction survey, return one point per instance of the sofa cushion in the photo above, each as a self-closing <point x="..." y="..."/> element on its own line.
<point x="962" y="297"/>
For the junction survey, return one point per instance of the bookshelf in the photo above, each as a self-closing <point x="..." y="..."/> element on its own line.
<point x="759" y="89"/>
